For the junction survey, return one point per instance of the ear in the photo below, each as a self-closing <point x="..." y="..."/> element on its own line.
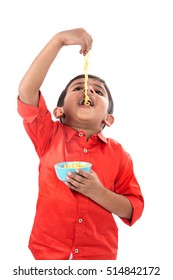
<point x="58" y="112"/>
<point x="108" y="120"/>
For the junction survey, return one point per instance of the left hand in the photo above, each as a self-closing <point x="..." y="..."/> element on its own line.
<point x="83" y="182"/>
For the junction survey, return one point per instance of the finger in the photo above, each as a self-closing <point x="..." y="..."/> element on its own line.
<point x="79" y="190"/>
<point x="89" y="42"/>
<point x="86" y="45"/>
<point x="74" y="185"/>
<point x="83" y="174"/>
<point x="75" y="179"/>
<point x="86" y="50"/>
<point x="71" y="182"/>
<point x="83" y="47"/>
<point x="68" y="184"/>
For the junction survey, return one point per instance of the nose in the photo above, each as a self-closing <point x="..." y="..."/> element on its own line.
<point x="90" y="90"/>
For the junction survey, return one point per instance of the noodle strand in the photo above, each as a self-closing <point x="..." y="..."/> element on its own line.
<point x="86" y="102"/>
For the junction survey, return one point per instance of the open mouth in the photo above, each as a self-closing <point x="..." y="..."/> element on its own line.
<point x="90" y="103"/>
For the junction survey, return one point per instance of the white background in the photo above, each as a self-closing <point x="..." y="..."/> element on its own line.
<point x="133" y="52"/>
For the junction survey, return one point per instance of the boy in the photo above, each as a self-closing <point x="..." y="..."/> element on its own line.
<point x="74" y="220"/>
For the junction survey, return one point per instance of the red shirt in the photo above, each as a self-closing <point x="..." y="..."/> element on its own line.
<point x="67" y="221"/>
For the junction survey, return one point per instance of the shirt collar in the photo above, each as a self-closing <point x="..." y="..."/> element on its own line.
<point x="70" y="132"/>
<point x="101" y="136"/>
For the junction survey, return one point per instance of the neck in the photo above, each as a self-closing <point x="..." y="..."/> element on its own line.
<point x="88" y="131"/>
<point x="88" y="127"/>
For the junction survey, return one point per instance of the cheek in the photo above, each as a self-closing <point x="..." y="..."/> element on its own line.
<point x="103" y="105"/>
<point x="69" y="101"/>
<point x="70" y="108"/>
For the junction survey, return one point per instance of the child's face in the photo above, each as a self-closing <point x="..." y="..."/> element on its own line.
<point x="76" y="114"/>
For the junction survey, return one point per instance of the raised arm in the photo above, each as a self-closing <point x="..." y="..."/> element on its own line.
<point x="34" y="77"/>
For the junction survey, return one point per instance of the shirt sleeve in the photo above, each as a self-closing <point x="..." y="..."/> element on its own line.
<point x="127" y="185"/>
<point x="38" y="124"/>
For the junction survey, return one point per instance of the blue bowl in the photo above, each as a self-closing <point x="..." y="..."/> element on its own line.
<point x="62" y="171"/>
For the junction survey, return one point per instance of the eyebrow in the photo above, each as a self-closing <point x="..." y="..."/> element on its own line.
<point x="100" y="87"/>
<point x="79" y="83"/>
<point x="82" y="83"/>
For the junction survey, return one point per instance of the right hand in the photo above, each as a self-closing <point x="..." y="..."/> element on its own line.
<point x="77" y="36"/>
<point x="34" y="77"/>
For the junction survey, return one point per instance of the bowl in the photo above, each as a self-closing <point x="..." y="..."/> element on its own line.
<point x="62" y="168"/>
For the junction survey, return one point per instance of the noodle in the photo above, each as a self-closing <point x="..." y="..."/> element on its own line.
<point x="74" y="165"/>
<point x="86" y="102"/>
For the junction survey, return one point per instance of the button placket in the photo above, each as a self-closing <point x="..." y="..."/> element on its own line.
<point x="80" y="134"/>
<point x="76" y="251"/>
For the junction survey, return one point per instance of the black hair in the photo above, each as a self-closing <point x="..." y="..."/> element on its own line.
<point x="60" y="102"/>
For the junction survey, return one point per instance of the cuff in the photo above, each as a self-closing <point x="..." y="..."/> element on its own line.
<point x="138" y="206"/>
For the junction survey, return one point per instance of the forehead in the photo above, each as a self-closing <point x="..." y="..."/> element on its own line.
<point x="91" y="81"/>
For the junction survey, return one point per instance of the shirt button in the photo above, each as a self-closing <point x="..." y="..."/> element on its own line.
<point x="80" y="134"/>
<point x="76" y="251"/>
<point x="85" y="151"/>
<point x="80" y="220"/>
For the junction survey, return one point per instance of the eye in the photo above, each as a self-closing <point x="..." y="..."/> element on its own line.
<point x="99" y="92"/>
<point x="78" y="88"/>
